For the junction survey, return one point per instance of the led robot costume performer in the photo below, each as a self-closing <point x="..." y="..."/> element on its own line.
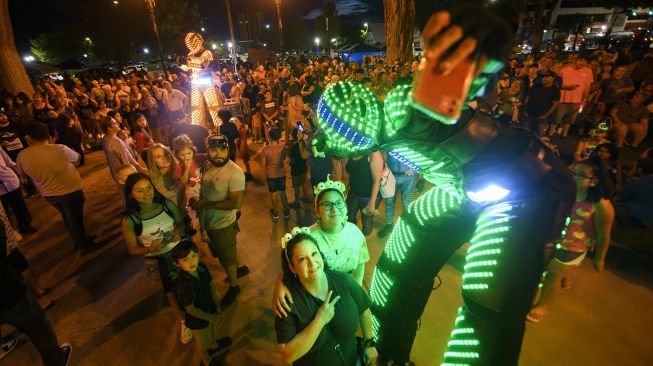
<point x="202" y="89"/>
<point x="495" y="186"/>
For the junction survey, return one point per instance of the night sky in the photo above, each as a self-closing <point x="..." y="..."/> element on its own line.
<point x="31" y="17"/>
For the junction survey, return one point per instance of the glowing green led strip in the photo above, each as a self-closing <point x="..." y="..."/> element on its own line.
<point x="462" y="346"/>
<point x="400" y="241"/>
<point x="381" y="284"/>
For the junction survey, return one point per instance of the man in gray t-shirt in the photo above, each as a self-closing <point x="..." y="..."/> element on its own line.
<point x="222" y="191"/>
<point x="51" y="168"/>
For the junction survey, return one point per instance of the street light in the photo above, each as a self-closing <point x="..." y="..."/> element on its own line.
<point x="28" y="58"/>
<point x="85" y="55"/>
<point x="265" y="44"/>
<point x="278" y="5"/>
<point x="150" y="9"/>
<point x="317" y="45"/>
<point x="365" y="25"/>
<point x="267" y="26"/>
<point x="146" y="50"/>
<point x="202" y="29"/>
<point x="214" y="46"/>
<point x="115" y="2"/>
<point x="229" y="44"/>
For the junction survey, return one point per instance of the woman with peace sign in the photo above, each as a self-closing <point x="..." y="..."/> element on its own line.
<point x="328" y="306"/>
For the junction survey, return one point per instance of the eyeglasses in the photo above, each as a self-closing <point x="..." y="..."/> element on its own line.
<point x="327" y="205"/>
<point x="581" y="175"/>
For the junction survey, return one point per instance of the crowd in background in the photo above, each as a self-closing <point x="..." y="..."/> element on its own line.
<point x="602" y="101"/>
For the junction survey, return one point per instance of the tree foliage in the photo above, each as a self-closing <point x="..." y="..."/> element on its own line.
<point x="57" y="47"/>
<point x="118" y="32"/>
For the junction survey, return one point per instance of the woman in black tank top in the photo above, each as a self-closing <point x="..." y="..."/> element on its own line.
<point x="364" y="182"/>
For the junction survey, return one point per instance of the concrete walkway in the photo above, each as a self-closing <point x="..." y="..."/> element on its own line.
<point x="113" y="315"/>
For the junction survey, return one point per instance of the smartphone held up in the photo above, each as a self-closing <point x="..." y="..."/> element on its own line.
<point x="442" y="95"/>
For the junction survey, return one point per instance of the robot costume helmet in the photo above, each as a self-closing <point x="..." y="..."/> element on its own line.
<point x="193" y="41"/>
<point x="351" y="114"/>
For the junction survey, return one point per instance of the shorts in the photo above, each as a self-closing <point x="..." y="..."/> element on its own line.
<point x="175" y="116"/>
<point x="222" y="243"/>
<point x="205" y="337"/>
<point x="18" y="260"/>
<point x="276" y="184"/>
<point x="566" y="113"/>
<point x="569" y="258"/>
<point x="298" y="180"/>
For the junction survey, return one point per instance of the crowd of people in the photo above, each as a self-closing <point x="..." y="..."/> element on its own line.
<point x="184" y="183"/>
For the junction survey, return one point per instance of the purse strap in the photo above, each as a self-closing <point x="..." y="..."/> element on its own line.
<point x="337" y="347"/>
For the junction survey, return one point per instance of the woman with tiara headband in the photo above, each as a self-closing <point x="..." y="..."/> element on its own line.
<point x="342" y="243"/>
<point x="328" y="308"/>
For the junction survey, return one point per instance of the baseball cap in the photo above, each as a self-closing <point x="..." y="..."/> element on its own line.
<point x="217" y="140"/>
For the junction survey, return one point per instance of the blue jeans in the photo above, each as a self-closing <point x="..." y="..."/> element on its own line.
<point x="28" y="317"/>
<point x="405" y="184"/>
<point x="355" y="204"/>
<point x="71" y="208"/>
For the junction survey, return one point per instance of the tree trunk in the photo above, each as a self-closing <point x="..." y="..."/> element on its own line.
<point x="399" y="26"/>
<point x="13" y="77"/>
<point x="538" y="26"/>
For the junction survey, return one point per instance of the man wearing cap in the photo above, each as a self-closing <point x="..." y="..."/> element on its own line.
<point x="221" y="196"/>
<point x="541" y="102"/>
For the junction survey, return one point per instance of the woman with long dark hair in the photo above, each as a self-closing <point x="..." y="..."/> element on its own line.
<point x="152" y="226"/>
<point x="328" y="307"/>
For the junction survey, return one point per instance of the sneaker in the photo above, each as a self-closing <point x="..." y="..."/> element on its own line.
<point x="222" y="345"/>
<point x="387" y="229"/>
<point x="242" y="271"/>
<point x="229" y="297"/>
<point x="67" y="350"/>
<point x="273" y="213"/>
<point x="186" y="334"/>
<point x="7" y="346"/>
<point x="91" y="247"/>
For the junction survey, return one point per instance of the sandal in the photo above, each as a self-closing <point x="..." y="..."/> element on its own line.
<point x="534" y="317"/>
<point x="186" y="334"/>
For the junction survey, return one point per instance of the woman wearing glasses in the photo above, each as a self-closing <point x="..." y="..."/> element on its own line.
<point x="342" y="243"/>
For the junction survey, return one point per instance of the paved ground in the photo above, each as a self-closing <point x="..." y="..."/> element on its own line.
<point x="114" y="315"/>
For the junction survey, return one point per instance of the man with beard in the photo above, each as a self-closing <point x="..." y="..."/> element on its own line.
<point x="221" y="195"/>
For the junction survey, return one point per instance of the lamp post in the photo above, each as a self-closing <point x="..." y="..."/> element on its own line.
<point x="150" y="9"/>
<point x="233" y="38"/>
<point x="278" y="4"/>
